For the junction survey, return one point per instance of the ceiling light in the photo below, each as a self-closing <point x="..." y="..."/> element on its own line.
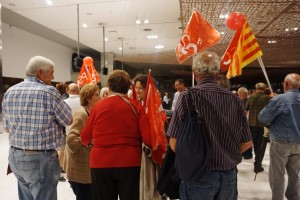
<point x="84" y="25"/>
<point x="295" y="29"/>
<point x="138" y="21"/>
<point x="49" y="3"/>
<point x="222" y="33"/>
<point x="222" y="16"/>
<point x="106" y="39"/>
<point x="159" y="47"/>
<point x="272" y="41"/>
<point x="152" y="36"/>
<point x="226" y="16"/>
<point x="146" y="21"/>
<point x="120" y="48"/>
<point x="287" y="29"/>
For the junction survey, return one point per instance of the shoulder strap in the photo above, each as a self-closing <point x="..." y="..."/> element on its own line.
<point x="126" y="100"/>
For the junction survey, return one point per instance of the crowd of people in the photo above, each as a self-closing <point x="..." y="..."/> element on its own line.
<point x="101" y="139"/>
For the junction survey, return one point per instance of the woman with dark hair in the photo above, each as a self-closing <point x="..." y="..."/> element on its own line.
<point x="117" y="125"/>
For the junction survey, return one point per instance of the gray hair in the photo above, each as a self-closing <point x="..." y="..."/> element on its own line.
<point x="37" y="63"/>
<point x="206" y="62"/>
<point x="242" y="90"/>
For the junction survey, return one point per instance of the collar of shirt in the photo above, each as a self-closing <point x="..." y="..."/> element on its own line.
<point x="33" y="79"/>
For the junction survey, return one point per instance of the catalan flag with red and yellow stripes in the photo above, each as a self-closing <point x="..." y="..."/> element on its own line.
<point x="242" y="50"/>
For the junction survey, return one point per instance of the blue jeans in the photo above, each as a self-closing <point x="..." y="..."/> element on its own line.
<point x="37" y="173"/>
<point x="212" y="185"/>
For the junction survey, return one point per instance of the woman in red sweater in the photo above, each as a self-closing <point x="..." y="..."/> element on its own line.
<point x="117" y="131"/>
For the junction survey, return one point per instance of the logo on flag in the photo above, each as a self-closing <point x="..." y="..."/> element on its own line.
<point x="88" y="73"/>
<point x="197" y="36"/>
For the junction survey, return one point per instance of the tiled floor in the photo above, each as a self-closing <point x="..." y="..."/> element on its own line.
<point x="248" y="188"/>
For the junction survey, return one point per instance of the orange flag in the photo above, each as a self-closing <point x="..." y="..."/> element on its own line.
<point x="157" y="117"/>
<point x="88" y="73"/>
<point x="197" y="36"/>
<point x="242" y="50"/>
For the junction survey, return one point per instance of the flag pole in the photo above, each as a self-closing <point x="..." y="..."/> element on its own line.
<point x="265" y="73"/>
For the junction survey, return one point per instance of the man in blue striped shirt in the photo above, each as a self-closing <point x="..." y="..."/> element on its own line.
<point x="34" y="116"/>
<point x="227" y="127"/>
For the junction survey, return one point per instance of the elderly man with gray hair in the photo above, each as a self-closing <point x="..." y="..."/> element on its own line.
<point x="227" y="127"/>
<point x="34" y="116"/>
<point x="283" y="115"/>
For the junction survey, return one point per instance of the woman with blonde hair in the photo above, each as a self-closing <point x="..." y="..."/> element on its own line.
<point x="77" y="157"/>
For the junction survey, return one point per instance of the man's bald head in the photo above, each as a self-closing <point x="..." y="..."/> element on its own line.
<point x="73" y="88"/>
<point x="292" y="81"/>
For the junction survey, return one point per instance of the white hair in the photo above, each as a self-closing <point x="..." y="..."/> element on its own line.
<point x="37" y="63"/>
<point x="206" y="62"/>
<point x="293" y="80"/>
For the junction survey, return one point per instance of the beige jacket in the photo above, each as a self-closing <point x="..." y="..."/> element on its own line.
<point x="77" y="157"/>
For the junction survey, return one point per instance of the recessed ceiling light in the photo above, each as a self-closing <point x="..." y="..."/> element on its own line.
<point x="120" y="48"/>
<point x="146" y="21"/>
<point x="159" y="47"/>
<point x="222" y="33"/>
<point x="84" y="25"/>
<point x="152" y="36"/>
<point x="106" y="39"/>
<point x="287" y="29"/>
<point x="295" y="29"/>
<point x="138" y="21"/>
<point x="49" y="3"/>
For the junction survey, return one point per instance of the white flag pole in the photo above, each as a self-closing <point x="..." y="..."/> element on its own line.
<point x="265" y="73"/>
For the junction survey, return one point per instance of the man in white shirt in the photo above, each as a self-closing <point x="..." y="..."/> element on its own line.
<point x="73" y="102"/>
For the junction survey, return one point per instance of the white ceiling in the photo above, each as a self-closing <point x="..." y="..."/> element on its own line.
<point x="268" y="19"/>
<point x="118" y="18"/>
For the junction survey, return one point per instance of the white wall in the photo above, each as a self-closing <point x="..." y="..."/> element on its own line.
<point x="19" y="46"/>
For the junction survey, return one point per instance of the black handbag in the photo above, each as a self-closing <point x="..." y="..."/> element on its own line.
<point x="192" y="144"/>
<point x="168" y="182"/>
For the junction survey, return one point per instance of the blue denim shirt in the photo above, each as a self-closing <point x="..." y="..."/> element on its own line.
<point x="283" y="115"/>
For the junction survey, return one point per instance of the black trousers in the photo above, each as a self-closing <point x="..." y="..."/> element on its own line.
<point x="257" y="138"/>
<point x="82" y="191"/>
<point x="108" y="183"/>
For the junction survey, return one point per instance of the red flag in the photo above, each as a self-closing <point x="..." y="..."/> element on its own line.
<point x="242" y="50"/>
<point x="157" y="117"/>
<point x="197" y="36"/>
<point x="88" y="73"/>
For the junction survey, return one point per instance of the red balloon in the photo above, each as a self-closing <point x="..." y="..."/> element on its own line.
<point x="88" y="61"/>
<point x="235" y="20"/>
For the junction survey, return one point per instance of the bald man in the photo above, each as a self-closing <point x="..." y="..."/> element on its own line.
<point x="74" y="100"/>
<point x="255" y="104"/>
<point x="283" y="115"/>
